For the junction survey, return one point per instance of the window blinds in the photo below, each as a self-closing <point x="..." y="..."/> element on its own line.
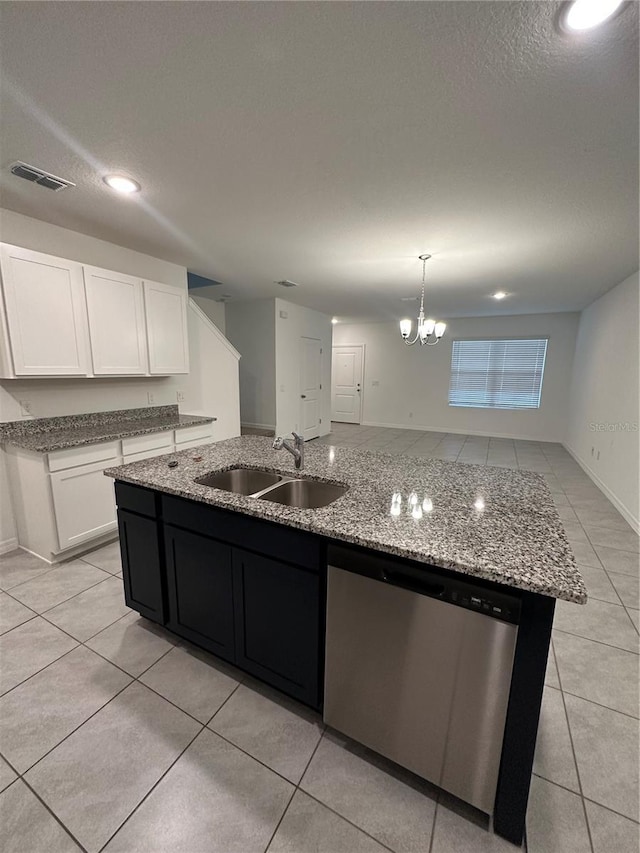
<point x="497" y="374"/>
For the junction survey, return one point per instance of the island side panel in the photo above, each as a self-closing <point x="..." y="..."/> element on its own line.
<point x="523" y="714"/>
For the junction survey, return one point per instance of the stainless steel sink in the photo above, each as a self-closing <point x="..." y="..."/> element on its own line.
<point x="304" y="494"/>
<point x="242" y="481"/>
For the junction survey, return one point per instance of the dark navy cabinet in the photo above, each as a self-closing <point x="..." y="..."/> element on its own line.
<point x="249" y="591"/>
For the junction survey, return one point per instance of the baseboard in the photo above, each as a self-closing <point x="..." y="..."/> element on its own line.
<point x="480" y="433"/>
<point x="258" y="426"/>
<point x="622" y="508"/>
<point x="8" y="545"/>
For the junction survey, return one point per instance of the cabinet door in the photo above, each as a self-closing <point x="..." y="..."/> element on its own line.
<point x="278" y="624"/>
<point x="84" y="503"/>
<point x="115" y="308"/>
<point x="45" y="311"/>
<point x="200" y="589"/>
<point x="166" y="312"/>
<point x="141" y="565"/>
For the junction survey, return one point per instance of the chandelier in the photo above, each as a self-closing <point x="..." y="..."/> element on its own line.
<point x="427" y="329"/>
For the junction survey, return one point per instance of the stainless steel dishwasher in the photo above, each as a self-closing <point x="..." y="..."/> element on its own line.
<point x="418" y="668"/>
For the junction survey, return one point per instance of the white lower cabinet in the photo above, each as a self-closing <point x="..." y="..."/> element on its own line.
<point x="62" y="500"/>
<point x="84" y="503"/>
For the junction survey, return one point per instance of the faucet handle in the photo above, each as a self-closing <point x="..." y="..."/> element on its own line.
<point x="299" y="438"/>
<point x="278" y="443"/>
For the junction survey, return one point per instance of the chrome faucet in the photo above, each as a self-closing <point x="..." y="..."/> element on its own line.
<point x="296" y="449"/>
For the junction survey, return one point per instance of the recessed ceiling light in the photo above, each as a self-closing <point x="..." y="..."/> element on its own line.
<point x="122" y="184"/>
<point x="586" y="14"/>
<point x="500" y="294"/>
<point x="334" y="320"/>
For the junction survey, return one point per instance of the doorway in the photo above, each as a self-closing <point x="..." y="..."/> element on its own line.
<point x="310" y="386"/>
<point x="346" y="383"/>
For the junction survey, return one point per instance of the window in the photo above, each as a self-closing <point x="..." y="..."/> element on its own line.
<point x="499" y="374"/>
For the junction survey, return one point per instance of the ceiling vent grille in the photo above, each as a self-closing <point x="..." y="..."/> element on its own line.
<point x="287" y="283"/>
<point x="40" y="177"/>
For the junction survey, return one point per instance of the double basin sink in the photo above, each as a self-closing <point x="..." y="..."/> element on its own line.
<point x="267" y="486"/>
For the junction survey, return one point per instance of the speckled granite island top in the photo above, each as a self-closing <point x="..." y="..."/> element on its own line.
<point x="492" y="523"/>
<point x="44" y="435"/>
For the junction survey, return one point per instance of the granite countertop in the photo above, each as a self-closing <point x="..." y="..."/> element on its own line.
<point x="44" y="435"/>
<point x="493" y="523"/>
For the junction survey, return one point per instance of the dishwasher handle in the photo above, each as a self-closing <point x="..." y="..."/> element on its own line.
<point x="424" y="586"/>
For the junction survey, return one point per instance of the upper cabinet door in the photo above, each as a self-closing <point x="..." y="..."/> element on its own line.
<point x="116" y="322"/>
<point x="166" y="311"/>
<point x="45" y="313"/>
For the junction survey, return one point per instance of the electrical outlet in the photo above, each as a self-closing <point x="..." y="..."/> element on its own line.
<point x="180" y="396"/>
<point x="26" y="408"/>
<point x="150" y="398"/>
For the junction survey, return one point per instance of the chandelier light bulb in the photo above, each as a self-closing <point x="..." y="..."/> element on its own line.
<point x="439" y="330"/>
<point x="586" y="14"/>
<point x="405" y="328"/>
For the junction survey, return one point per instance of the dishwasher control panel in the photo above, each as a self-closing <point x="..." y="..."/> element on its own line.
<point x="491" y="604"/>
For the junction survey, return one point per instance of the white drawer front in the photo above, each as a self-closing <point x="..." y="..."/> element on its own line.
<point x="197" y="443"/>
<point x="201" y="432"/>
<point x="84" y="503"/>
<point x="139" y="443"/>
<point x="75" y="456"/>
<point x="147" y="454"/>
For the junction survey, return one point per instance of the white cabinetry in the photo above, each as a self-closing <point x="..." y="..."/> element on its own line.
<point x="62" y="318"/>
<point x="166" y="312"/>
<point x="62" y="501"/>
<point x="45" y="315"/>
<point x="115" y="308"/>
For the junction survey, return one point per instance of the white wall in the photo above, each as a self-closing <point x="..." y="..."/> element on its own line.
<point x="215" y="311"/>
<point x="299" y="322"/>
<point x="250" y="327"/>
<point x="604" y="391"/>
<point x="412" y="383"/>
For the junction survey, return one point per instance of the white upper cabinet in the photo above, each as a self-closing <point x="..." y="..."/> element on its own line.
<point x="45" y="315"/>
<point x="166" y="312"/>
<point x="115" y="308"/>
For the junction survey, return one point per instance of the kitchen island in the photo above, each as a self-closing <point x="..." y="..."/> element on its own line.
<point x="246" y="576"/>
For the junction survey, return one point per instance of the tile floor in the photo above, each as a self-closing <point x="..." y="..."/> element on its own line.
<point x="116" y="736"/>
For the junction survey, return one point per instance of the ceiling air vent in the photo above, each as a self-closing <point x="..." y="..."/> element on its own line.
<point x="287" y="283"/>
<point x="40" y="177"/>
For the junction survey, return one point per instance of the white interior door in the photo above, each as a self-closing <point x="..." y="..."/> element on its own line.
<point x="346" y="383"/>
<point x="310" y="386"/>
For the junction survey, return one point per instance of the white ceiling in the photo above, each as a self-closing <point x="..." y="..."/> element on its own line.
<point x="331" y="143"/>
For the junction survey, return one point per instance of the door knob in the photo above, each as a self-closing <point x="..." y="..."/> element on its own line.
<point x="304" y="396"/>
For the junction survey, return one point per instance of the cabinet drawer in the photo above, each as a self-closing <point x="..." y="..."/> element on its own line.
<point x="139" y="443"/>
<point x="273" y="540"/>
<point x="147" y="454"/>
<point x="136" y="499"/>
<point x="201" y="432"/>
<point x="86" y="455"/>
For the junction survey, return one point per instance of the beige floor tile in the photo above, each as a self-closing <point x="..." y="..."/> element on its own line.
<point x="96" y="777"/>
<point x="16" y="567"/>
<point x="214" y="799"/>
<point x="628" y="588"/>
<point x="12" y="613"/>
<point x="133" y="643"/>
<point x="278" y="732"/>
<point x="88" y="613"/>
<point x="387" y="808"/>
<point x="610" y="831"/>
<point x="622" y="562"/>
<point x="58" y="585"/>
<point x="597" y="620"/>
<point x="598" y="672"/>
<point x="29" y="648"/>
<point x="555" y="820"/>
<point x="7" y="775"/>
<point x="459" y="828"/>
<point x="554" y="754"/>
<point x="27" y="826"/>
<point x="309" y="826"/>
<point x="606" y="746"/>
<point x="192" y="680"/>
<point x="106" y="558"/>
<point x="607" y="538"/>
<point x="598" y="584"/>
<point x="42" y="711"/>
